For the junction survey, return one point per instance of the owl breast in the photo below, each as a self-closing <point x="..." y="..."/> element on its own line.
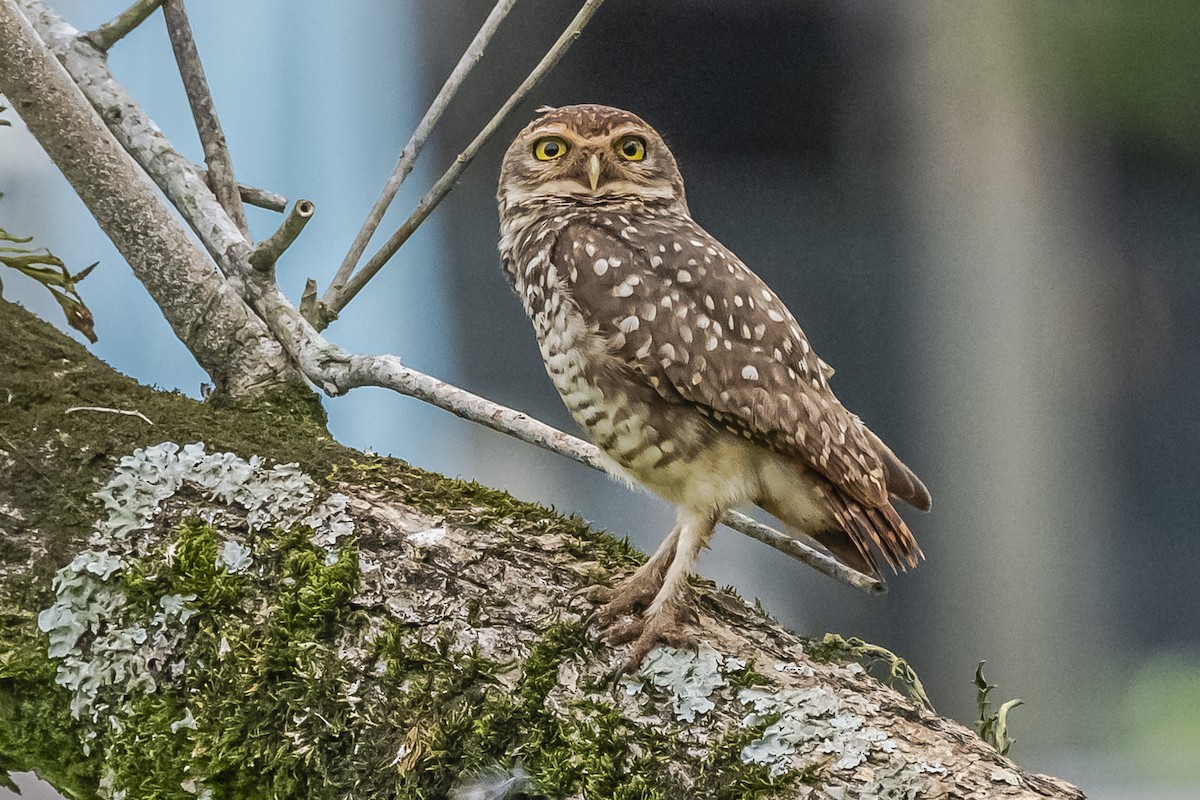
<point x="667" y="447"/>
<point x="585" y="374"/>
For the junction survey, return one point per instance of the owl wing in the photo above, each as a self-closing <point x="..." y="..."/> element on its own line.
<point x="686" y="315"/>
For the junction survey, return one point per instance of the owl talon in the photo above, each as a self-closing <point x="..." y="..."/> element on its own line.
<point x="599" y="594"/>
<point x="630" y="596"/>
<point x="624" y="632"/>
<point x="655" y="631"/>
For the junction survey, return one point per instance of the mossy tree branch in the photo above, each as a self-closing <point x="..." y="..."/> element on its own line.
<point x="248" y="631"/>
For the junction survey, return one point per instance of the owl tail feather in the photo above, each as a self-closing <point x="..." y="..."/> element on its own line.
<point x="902" y="482"/>
<point x="862" y="530"/>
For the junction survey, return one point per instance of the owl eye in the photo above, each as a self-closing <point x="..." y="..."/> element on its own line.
<point x="632" y="148"/>
<point x="549" y="148"/>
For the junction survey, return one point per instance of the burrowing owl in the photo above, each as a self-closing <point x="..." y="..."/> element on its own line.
<point x="682" y="365"/>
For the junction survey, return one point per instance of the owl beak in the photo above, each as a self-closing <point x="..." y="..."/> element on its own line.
<point x="593" y="169"/>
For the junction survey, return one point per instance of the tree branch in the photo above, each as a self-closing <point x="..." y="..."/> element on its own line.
<point x="117" y="29"/>
<point x="269" y="250"/>
<point x="253" y="196"/>
<point x="228" y="341"/>
<point x="381" y="631"/>
<point x="408" y="156"/>
<point x="181" y="181"/>
<point x="335" y="299"/>
<point x="204" y="111"/>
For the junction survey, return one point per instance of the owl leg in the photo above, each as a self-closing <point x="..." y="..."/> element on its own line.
<point x="667" y="618"/>
<point x="638" y="590"/>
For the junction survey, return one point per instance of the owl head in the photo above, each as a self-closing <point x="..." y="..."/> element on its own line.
<point x="589" y="154"/>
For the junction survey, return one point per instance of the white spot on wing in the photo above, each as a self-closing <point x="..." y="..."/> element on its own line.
<point x="749" y="372"/>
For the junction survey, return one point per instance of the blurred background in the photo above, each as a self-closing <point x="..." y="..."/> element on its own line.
<point x="985" y="216"/>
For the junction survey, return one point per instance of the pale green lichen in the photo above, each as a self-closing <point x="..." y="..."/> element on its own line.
<point x="689" y="677"/>
<point x="791" y="732"/>
<point x="810" y="725"/>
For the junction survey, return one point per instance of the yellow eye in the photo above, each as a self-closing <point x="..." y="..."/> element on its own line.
<point x="549" y="148"/>
<point x="632" y="148"/>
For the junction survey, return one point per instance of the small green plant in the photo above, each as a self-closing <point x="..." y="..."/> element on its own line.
<point x="992" y="728"/>
<point x="49" y="270"/>
<point x="900" y="672"/>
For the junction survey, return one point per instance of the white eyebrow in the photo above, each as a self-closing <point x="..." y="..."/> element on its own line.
<point x="559" y="128"/>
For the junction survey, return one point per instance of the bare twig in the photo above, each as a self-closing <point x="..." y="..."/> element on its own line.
<point x="102" y="409"/>
<point x="253" y="196"/>
<point x="117" y="29"/>
<point x="261" y="198"/>
<point x="204" y="111"/>
<point x="269" y="250"/>
<point x="408" y="156"/>
<point x="335" y="301"/>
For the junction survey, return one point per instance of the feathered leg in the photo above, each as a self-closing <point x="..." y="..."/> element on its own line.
<point x="667" y="617"/>
<point x="637" y="591"/>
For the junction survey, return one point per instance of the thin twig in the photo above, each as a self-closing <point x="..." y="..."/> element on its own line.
<point x="335" y="301"/>
<point x="269" y="250"/>
<point x="408" y="156"/>
<point x="261" y="198"/>
<point x="204" y="111"/>
<point x="104" y="410"/>
<point x="108" y="34"/>
<point x="253" y="196"/>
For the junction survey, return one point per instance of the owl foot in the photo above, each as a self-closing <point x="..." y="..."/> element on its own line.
<point x="647" y="633"/>
<point x="631" y="596"/>
<point x="622" y="622"/>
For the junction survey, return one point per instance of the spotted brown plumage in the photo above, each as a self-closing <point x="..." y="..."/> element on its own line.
<point x="685" y="369"/>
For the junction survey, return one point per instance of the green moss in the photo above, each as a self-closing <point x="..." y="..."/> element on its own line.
<point x="464" y="719"/>
<point x="192" y="570"/>
<point x="746" y="677"/>
<point x="313" y="594"/>
<point x="148" y="759"/>
<point x="264" y="682"/>
<point x="731" y="778"/>
<point x="36" y="730"/>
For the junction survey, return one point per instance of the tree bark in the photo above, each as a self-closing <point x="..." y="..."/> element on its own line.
<point x="220" y="625"/>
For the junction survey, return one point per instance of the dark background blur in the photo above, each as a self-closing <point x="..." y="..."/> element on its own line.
<point x="985" y="216"/>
